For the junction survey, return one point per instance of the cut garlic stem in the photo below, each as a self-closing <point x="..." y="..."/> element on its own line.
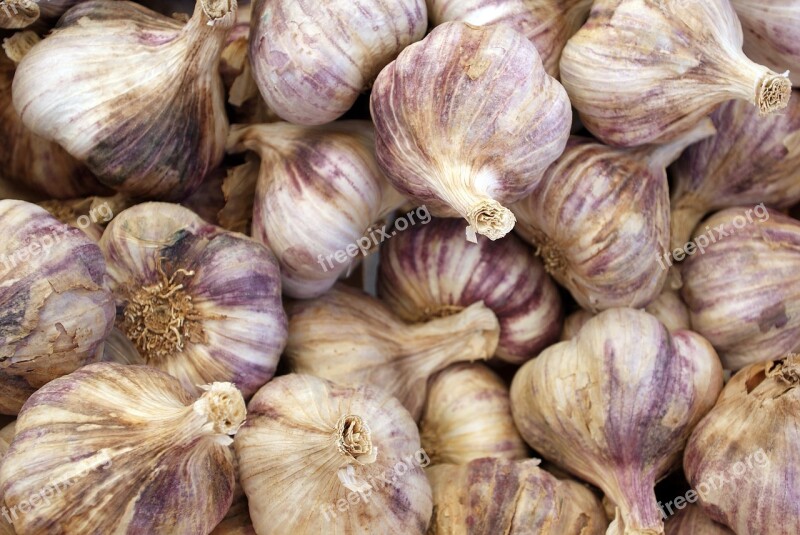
<point x="767" y="90"/>
<point x="16" y="14"/>
<point x="19" y="44"/>
<point x="223" y="407"/>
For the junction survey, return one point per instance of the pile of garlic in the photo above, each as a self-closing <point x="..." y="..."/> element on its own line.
<point x="419" y="267"/>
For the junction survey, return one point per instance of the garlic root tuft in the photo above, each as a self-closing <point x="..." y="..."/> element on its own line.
<point x="353" y="438"/>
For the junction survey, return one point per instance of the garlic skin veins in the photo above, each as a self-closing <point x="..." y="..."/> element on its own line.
<point x="635" y="393"/>
<point x="466" y="122"/>
<point x="772" y="33"/>
<point x="107" y="425"/>
<point x="691" y="520"/>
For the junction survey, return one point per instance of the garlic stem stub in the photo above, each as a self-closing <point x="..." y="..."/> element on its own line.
<point x="150" y="122"/>
<point x="83" y="437"/>
<point x="466" y="122"/>
<point x="772" y="33"/>
<point x="198" y="302"/>
<point x="17" y="14"/>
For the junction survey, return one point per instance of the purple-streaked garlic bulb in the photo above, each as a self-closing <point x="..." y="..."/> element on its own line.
<point x="311" y="60"/>
<point x="199" y="302"/>
<point x="646" y="71"/>
<point x="122" y="449"/>
<point x="319" y="197"/>
<point x="431" y="271"/>
<point x="691" y="520"/>
<point x="751" y="160"/>
<point x="615" y="406"/>
<point x="316" y="457"/>
<point x="6" y="436"/>
<point x="772" y="33"/>
<point x="55" y="312"/>
<point x="467" y="121"/>
<point x="742" y="284"/>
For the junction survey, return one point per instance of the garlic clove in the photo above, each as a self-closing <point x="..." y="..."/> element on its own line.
<point x="615" y="406"/>
<point x="642" y="72"/>
<point x="771" y="33"/>
<point x="466" y="122"/>
<point x="16" y="14"/>
<point x="430" y="271"/>
<point x="110" y="444"/>
<point x="311" y="60"/>
<point x="691" y="520"/>
<point x="352" y="454"/>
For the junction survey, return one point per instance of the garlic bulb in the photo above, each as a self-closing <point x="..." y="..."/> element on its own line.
<point x="311" y="60"/>
<point x="510" y="497"/>
<point x="200" y="303"/>
<point x="467" y="120"/>
<point x="15" y="14"/>
<point x="237" y="520"/>
<point x="743" y="459"/>
<point x="106" y="447"/>
<point x="642" y="72"/>
<point x="547" y="23"/>
<point x="431" y="271"/>
<point x="6" y="436"/>
<point x="351" y="338"/>
<point x="752" y="314"/>
<point x="468" y="416"/>
<point x="54" y="311"/>
<point x="751" y="160"/>
<point x="352" y="454"/>
<point x="691" y="520"/>
<point x="615" y="406"/>
<point x="133" y="94"/>
<point x="325" y="180"/>
<point x="772" y="33"/>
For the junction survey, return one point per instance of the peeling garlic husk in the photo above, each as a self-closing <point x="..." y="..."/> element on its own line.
<point x="615" y="406"/>
<point x="325" y="181"/>
<point x="752" y="313"/>
<point x="468" y="416"/>
<point x="751" y="160"/>
<point x="749" y="439"/>
<point x="6" y="436"/>
<point x="691" y="520"/>
<point x="312" y="60"/>
<point x="199" y="302"/>
<point x="350" y="338"/>
<point x="108" y="425"/>
<point x="642" y="72"/>
<point x="467" y="121"/>
<point x="54" y="310"/>
<point x="772" y="33"/>
<point x="239" y="191"/>
<point x="153" y="124"/>
<point x="330" y="445"/>
<point x="431" y="271"/>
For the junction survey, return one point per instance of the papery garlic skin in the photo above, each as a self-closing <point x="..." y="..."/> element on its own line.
<point x="691" y="520"/>
<point x="743" y="293"/>
<point x="320" y="441"/>
<point x="432" y="271"/>
<point x="646" y="71"/>
<point x="466" y="122"/>
<point x="468" y="416"/>
<point x="311" y="60"/>
<point x="615" y="406"/>
<point x="109" y="427"/>
<point x="200" y="303"/>
<point x="151" y="122"/>
<point x="54" y="310"/>
<point x="772" y="33"/>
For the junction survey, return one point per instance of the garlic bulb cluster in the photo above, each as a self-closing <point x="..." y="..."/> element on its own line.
<point x="743" y="459"/>
<point x="691" y="520"/>
<point x="772" y="33"/>
<point x="325" y="180"/>
<point x="352" y="454"/>
<point x="752" y="314"/>
<point x="467" y="120"/>
<point x="351" y="338"/>
<point x="642" y="71"/>
<point x="54" y="310"/>
<point x="468" y="416"/>
<point x="135" y="95"/>
<point x="510" y="497"/>
<point x="311" y="60"/>
<point x="751" y="160"/>
<point x="105" y="448"/>
<point x="199" y="302"/>
<point x="431" y="271"/>
<point x="615" y="406"/>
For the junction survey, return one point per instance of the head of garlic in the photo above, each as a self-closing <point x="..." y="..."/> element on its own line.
<point x="135" y="95"/>
<point x="54" y="309"/>
<point x="692" y="520"/>
<point x="432" y="271"/>
<point x="6" y="436"/>
<point x="199" y="302"/>
<point x="615" y="406"/>
<point x="352" y="454"/>
<point x="644" y="71"/>
<point x="742" y="286"/>
<point x="772" y="33"/>
<point x="466" y="122"/>
<point x="122" y="449"/>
